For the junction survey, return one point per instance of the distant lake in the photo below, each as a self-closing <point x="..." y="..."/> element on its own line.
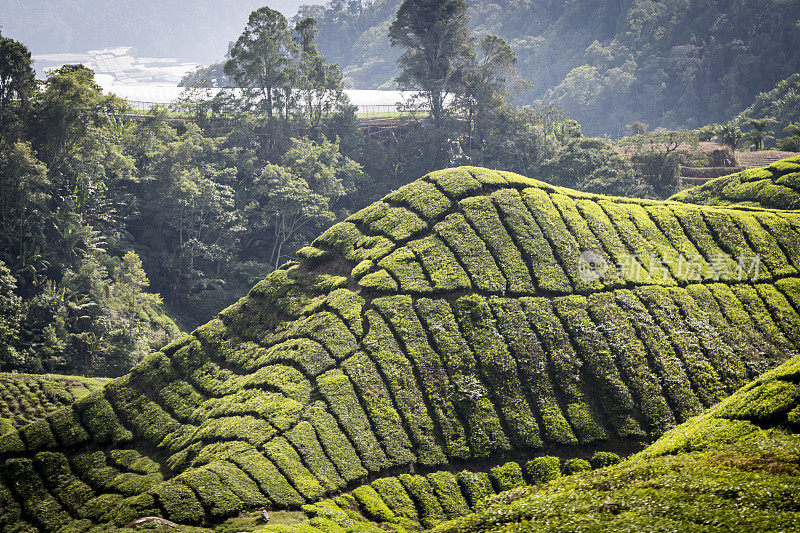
<point x="142" y="96"/>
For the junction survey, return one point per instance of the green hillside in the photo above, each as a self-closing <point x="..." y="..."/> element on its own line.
<point x="413" y="502"/>
<point x="774" y="187"/>
<point x="458" y="323"/>
<point x="671" y="63"/>
<point x="28" y="397"/>
<point x="734" y="468"/>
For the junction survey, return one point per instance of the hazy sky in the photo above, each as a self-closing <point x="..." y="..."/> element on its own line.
<point x="191" y="30"/>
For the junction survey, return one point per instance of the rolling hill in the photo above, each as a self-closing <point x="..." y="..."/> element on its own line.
<point x="28" y="397"/>
<point x="776" y="186"/>
<point x="734" y="468"/>
<point x="470" y="318"/>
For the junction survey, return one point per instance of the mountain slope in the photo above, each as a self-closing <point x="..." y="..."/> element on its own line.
<point x="608" y="63"/>
<point x="456" y="322"/>
<point x="26" y="397"/>
<point x="733" y="468"/>
<point x="776" y="186"/>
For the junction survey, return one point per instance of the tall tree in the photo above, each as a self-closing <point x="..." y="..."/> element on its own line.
<point x="10" y="305"/>
<point x="320" y="85"/>
<point x="17" y="80"/>
<point x="488" y="82"/>
<point x="25" y="215"/>
<point x="262" y="55"/>
<point x="438" y="50"/>
<point x="306" y="31"/>
<point x="288" y="211"/>
<point x="68" y="108"/>
<point x="17" y="83"/>
<point x="758" y="135"/>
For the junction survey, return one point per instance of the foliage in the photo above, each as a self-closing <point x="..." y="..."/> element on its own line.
<point x="657" y="157"/>
<point x="671" y="64"/>
<point x="592" y="165"/>
<point x="25" y="398"/>
<point x="750" y="452"/>
<point x="261" y="56"/>
<point x="777" y="109"/>
<point x="438" y="48"/>
<point x="10" y="311"/>
<point x="730" y="135"/>
<point x="17" y="83"/>
<point x="81" y="306"/>
<point x="317" y="379"/>
<point x="758" y="136"/>
<point x="775" y="186"/>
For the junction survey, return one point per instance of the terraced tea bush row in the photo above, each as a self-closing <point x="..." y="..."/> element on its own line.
<point x="467" y="345"/>
<point x="734" y="467"/>
<point x="27" y="397"/>
<point x="523" y="237"/>
<point x="774" y="187"/>
<point x="419" y="502"/>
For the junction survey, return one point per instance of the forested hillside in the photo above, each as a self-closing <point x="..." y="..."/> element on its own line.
<point x="454" y="322"/>
<point x="673" y="63"/>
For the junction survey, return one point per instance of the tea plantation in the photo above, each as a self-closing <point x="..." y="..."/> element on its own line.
<point x="776" y="186"/>
<point x="733" y="468"/>
<point x="468" y="319"/>
<point x="28" y="397"/>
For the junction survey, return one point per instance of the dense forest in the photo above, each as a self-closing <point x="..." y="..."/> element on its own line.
<point x="110" y="227"/>
<point x="673" y="64"/>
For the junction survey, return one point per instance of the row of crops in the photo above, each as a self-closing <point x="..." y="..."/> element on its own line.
<point x="776" y="186"/>
<point x="28" y="397"/>
<point x="449" y="323"/>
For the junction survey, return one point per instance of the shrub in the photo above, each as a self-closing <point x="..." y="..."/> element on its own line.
<point x="179" y="502"/>
<point x="471" y="252"/>
<point x="396" y="498"/>
<point x="603" y="459"/>
<point x="423" y="197"/>
<point x="304" y="439"/>
<point x="214" y="495"/>
<point x="430" y="510"/>
<point x="477" y="321"/>
<point x="372" y="504"/>
<point x="445" y="486"/>
<point x="270" y="480"/>
<point x="573" y="466"/>
<point x="543" y="469"/>
<point x="477" y="486"/>
<point x="507" y="476"/>
<point x="480" y="212"/>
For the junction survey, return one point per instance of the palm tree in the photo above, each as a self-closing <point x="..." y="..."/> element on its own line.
<point x="793" y="128"/>
<point x="708" y="132"/>
<point x="730" y="135"/>
<point x="758" y="136"/>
